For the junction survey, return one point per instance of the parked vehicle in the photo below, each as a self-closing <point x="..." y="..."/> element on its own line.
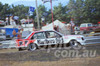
<point x="42" y="38"/>
<point x="2" y="23"/>
<point x="2" y="36"/>
<point x="96" y="32"/>
<point x="87" y="27"/>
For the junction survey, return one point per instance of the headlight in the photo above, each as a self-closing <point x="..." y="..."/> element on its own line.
<point x="82" y="38"/>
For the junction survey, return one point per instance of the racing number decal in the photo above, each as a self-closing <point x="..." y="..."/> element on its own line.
<point x="51" y="41"/>
<point x="41" y="41"/>
<point x="59" y="40"/>
<point x="47" y="41"/>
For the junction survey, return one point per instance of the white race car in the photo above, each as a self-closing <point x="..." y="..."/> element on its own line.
<point x="41" y="38"/>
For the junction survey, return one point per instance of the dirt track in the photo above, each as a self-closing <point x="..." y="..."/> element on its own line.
<point x="42" y="58"/>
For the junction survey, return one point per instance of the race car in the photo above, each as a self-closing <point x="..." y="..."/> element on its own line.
<point x="44" y="38"/>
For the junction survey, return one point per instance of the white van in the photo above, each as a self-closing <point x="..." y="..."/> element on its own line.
<point x="2" y="36"/>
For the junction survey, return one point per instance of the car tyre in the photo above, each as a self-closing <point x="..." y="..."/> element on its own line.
<point x="74" y="44"/>
<point x="20" y="49"/>
<point x="32" y="47"/>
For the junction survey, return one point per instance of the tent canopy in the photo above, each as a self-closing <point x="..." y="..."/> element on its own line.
<point x="50" y="26"/>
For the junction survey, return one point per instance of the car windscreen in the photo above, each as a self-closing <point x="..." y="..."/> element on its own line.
<point x="25" y="34"/>
<point x="89" y="25"/>
<point x="83" y="25"/>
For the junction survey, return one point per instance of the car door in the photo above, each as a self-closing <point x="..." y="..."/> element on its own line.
<point x="53" y="38"/>
<point x="40" y="38"/>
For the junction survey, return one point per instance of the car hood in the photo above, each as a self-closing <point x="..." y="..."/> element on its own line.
<point x="73" y="36"/>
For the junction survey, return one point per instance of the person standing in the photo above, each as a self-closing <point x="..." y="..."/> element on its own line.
<point x="72" y="25"/>
<point x="14" y="33"/>
<point x="56" y="28"/>
<point x="19" y="34"/>
<point x="68" y="27"/>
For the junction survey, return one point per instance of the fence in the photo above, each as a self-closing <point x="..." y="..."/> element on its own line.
<point x="92" y="38"/>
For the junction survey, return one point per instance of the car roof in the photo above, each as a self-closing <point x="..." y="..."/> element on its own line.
<point x="47" y="30"/>
<point x="86" y="23"/>
<point x="42" y="31"/>
<point x="36" y="32"/>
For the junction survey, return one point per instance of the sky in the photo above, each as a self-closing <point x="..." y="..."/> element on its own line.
<point x="32" y="2"/>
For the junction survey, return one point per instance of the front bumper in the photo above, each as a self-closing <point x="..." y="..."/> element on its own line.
<point x="82" y="43"/>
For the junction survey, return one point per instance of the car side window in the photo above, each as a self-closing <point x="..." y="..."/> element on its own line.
<point x="39" y="35"/>
<point x="51" y="34"/>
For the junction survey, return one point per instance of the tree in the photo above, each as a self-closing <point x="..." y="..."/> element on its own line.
<point x="1" y="7"/>
<point x="72" y="8"/>
<point x="58" y="12"/>
<point x="91" y="11"/>
<point x="5" y="10"/>
<point x="79" y="11"/>
<point x="20" y="11"/>
<point x="42" y="10"/>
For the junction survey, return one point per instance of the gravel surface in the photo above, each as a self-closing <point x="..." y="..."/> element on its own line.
<point x="45" y="54"/>
<point x="13" y="57"/>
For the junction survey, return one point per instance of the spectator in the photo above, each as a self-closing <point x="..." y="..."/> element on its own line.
<point x="72" y="25"/>
<point x="68" y="29"/>
<point x="77" y="29"/>
<point x="15" y="18"/>
<point x="14" y="33"/>
<point x="56" y="28"/>
<point x="19" y="34"/>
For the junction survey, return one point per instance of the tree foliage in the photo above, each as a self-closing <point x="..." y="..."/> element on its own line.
<point x="80" y="10"/>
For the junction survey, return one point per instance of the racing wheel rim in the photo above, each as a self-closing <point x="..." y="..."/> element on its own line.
<point x="74" y="43"/>
<point x="32" y="47"/>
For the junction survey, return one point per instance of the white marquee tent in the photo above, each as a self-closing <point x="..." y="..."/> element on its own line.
<point x="50" y="26"/>
<point x="61" y="26"/>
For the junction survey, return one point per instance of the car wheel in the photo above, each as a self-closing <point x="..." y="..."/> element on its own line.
<point x="75" y="44"/>
<point x="20" y="49"/>
<point x="32" y="47"/>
